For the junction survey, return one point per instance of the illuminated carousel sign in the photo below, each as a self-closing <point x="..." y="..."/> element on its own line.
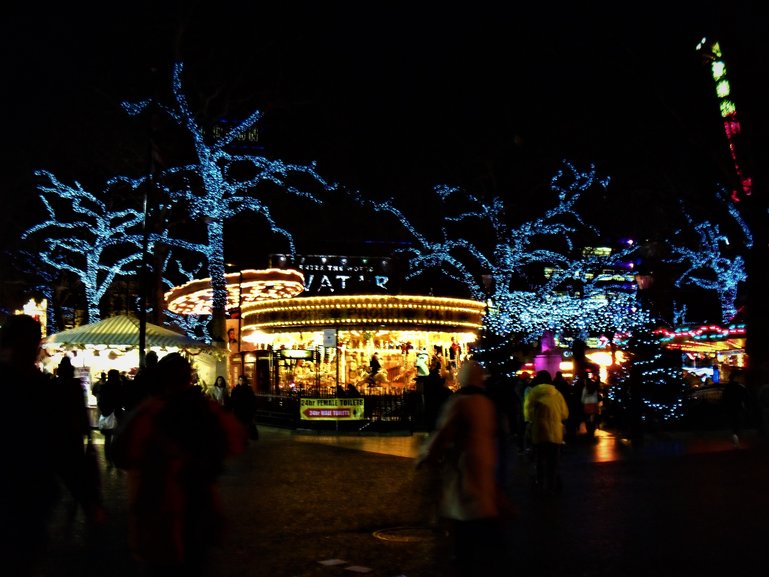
<point x="334" y="275"/>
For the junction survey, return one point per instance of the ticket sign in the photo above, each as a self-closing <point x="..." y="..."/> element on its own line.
<point x="332" y="409"/>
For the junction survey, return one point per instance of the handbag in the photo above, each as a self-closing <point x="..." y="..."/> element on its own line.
<point x="107" y="423"/>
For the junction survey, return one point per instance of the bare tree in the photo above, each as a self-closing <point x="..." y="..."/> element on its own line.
<point x="220" y="184"/>
<point x="86" y="237"/>
<point x="524" y="272"/>
<point x="715" y="263"/>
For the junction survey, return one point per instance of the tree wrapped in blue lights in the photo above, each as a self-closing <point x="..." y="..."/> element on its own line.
<point x="524" y="272"/>
<point x="86" y="237"/>
<point x="660" y="378"/>
<point x="715" y="264"/>
<point x="219" y="185"/>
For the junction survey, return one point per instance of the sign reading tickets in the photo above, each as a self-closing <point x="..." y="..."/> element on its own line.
<point x="332" y="409"/>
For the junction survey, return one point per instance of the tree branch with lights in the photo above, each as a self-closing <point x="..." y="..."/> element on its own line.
<point x="219" y="185"/>
<point x="715" y="264"/>
<point x="514" y="257"/>
<point x="87" y="238"/>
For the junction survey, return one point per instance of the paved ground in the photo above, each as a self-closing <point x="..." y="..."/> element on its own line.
<point x="312" y="505"/>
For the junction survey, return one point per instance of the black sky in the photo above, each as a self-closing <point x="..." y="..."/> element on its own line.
<point x="390" y="98"/>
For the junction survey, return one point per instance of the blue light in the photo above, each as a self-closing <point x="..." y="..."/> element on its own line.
<point x="209" y="192"/>
<point x="514" y="256"/>
<point x="710" y="266"/>
<point x="87" y="238"/>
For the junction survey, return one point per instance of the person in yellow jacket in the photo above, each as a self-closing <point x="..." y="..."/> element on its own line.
<point x="546" y="410"/>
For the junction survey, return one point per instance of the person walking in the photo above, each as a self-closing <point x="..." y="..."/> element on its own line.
<point x="71" y="390"/>
<point x="109" y="400"/>
<point x="560" y="383"/>
<point x="174" y="447"/>
<point x="243" y="405"/>
<point x="464" y="449"/>
<point x="219" y="391"/>
<point x="521" y="386"/>
<point x="435" y="395"/>
<point x="72" y="415"/>
<point x="142" y="384"/>
<point x="52" y="452"/>
<point x="735" y="401"/>
<point x="568" y="390"/>
<point x="590" y="398"/>
<point x="546" y="410"/>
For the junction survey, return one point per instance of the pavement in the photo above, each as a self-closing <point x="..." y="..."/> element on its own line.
<point x="302" y="504"/>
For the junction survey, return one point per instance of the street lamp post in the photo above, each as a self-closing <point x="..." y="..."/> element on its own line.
<point x="240" y="304"/>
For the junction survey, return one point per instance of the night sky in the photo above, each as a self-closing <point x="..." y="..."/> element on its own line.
<point x="391" y="98"/>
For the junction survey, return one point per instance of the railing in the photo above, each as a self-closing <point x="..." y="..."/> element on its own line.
<point x="382" y="413"/>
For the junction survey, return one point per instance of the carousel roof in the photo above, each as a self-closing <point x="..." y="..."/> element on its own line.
<point x="243" y="288"/>
<point x="703" y="338"/>
<point x="120" y="330"/>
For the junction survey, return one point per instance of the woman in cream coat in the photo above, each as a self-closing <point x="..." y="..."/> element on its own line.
<point x="464" y="450"/>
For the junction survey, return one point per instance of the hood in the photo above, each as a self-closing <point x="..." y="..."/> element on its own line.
<point x="542" y="391"/>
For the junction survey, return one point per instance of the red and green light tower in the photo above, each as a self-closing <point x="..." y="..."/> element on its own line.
<point x="711" y="52"/>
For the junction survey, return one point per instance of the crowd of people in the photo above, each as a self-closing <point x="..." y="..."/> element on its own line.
<point x="117" y="396"/>
<point x="170" y="438"/>
<point x="468" y="452"/>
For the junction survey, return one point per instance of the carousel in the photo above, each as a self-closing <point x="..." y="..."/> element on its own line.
<point x="287" y="343"/>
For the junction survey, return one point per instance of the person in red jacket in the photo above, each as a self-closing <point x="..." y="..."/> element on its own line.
<point x="173" y="447"/>
<point x="51" y="454"/>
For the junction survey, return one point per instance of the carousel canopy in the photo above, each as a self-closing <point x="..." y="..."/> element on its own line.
<point x="120" y="330"/>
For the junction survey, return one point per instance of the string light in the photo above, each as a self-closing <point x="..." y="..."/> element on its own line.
<point x="708" y="266"/>
<point x="84" y="234"/>
<point x="212" y="194"/>
<point x="494" y="273"/>
<point x="711" y="52"/>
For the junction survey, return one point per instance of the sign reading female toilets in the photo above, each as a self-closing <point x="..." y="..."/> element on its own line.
<point x="332" y="409"/>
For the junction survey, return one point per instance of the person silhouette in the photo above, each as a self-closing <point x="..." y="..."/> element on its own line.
<point x="53" y="450"/>
<point x="173" y="448"/>
<point x="219" y="392"/>
<point x="464" y="450"/>
<point x="590" y="397"/>
<point x="546" y="410"/>
<point x="735" y="401"/>
<point x="243" y="405"/>
<point x="109" y="399"/>
<point x="142" y="384"/>
<point x="72" y="415"/>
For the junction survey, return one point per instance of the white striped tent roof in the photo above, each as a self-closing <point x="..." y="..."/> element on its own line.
<point x="121" y="330"/>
